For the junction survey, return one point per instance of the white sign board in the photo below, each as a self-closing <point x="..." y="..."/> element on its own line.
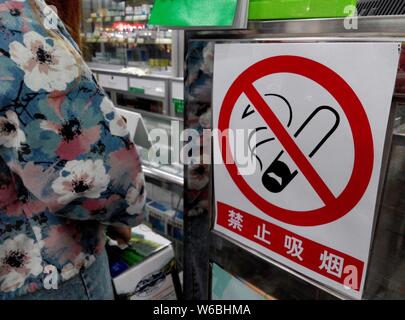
<point x="315" y="118"/>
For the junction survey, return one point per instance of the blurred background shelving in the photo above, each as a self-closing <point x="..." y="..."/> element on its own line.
<point x="117" y="32"/>
<point x="140" y="67"/>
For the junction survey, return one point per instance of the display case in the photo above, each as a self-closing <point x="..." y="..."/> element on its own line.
<point x="164" y="181"/>
<point x="164" y="212"/>
<point x="139" y="67"/>
<point x="117" y="33"/>
<point x="159" y="110"/>
<point x="136" y="64"/>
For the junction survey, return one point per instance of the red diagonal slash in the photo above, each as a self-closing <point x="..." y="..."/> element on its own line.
<point x="289" y="145"/>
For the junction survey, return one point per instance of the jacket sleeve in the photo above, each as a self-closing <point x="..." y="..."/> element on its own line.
<point x="102" y="180"/>
<point x="115" y="186"/>
<point x="68" y="151"/>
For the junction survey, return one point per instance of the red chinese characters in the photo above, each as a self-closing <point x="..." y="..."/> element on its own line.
<point x="323" y="260"/>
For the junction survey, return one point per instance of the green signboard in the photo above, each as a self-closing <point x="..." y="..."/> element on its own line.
<point x="222" y="13"/>
<point x="194" y="13"/>
<point x="299" y="9"/>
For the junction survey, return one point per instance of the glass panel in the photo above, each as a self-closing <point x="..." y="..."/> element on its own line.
<point x="165" y="152"/>
<point x="116" y="32"/>
<point x="385" y="278"/>
<point x="164" y="212"/>
<point x="387" y="266"/>
<point x="133" y="102"/>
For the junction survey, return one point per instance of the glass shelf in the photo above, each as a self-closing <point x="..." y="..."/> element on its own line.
<point x="136" y="64"/>
<point x="116" y="32"/>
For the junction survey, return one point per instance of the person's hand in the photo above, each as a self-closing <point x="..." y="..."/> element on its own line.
<point x="120" y="234"/>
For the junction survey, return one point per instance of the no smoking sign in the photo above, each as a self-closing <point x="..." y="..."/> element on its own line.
<point x="335" y="207"/>
<point x="318" y="115"/>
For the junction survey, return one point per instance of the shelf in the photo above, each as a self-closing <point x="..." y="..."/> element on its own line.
<point x="143" y="96"/>
<point x="148" y="114"/>
<point x="157" y="41"/>
<point x="105" y="68"/>
<point x="162" y="175"/>
<point x="122" y="19"/>
<point x="129" y="41"/>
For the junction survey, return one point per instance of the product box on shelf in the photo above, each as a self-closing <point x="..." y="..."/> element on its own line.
<point x="156" y="210"/>
<point x="146" y="269"/>
<point x="175" y="226"/>
<point x="165" y="220"/>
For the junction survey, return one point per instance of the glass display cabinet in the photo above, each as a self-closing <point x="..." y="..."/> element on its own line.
<point x="140" y="68"/>
<point x="116" y="33"/>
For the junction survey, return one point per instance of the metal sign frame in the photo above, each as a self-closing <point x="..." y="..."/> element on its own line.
<point x="204" y="246"/>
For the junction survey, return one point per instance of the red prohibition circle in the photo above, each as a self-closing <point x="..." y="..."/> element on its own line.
<point x="335" y="207"/>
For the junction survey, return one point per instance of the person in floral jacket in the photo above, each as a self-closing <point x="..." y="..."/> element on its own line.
<point x="67" y="166"/>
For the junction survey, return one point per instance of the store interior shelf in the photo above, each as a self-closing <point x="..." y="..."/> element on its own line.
<point x="118" y="19"/>
<point x="130" y="41"/>
<point x="141" y="95"/>
<point x="154" y="41"/>
<point x="117" y="70"/>
<point x="157" y="116"/>
<point x="163" y="175"/>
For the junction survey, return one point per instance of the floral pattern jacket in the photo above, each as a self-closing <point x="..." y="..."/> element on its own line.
<point x="67" y="166"/>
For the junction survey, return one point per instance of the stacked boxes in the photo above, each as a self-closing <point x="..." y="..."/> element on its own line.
<point x="165" y="220"/>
